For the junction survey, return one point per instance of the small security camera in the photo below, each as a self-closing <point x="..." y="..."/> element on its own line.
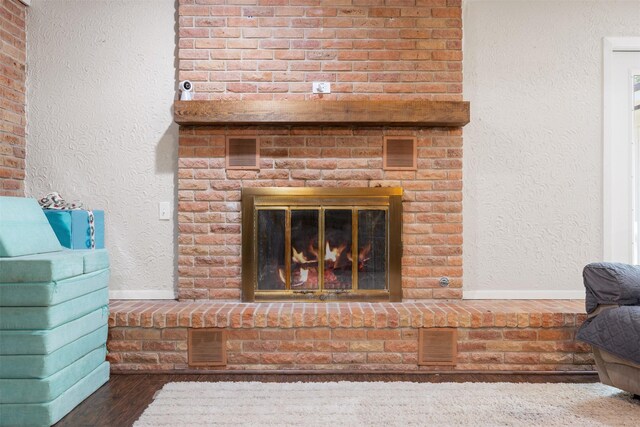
<point x="186" y="88"/>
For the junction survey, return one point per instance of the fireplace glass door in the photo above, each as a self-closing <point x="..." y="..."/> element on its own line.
<point x="321" y="249"/>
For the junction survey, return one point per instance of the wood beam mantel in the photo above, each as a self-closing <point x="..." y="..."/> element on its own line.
<point x="317" y="112"/>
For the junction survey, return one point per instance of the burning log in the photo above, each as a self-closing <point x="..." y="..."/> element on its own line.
<point x="304" y="270"/>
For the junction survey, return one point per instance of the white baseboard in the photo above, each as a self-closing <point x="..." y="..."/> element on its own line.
<point x="485" y="294"/>
<point x="513" y="294"/>
<point x="142" y="294"/>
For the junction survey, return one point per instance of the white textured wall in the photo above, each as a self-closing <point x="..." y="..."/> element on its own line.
<point x="533" y="149"/>
<point x="101" y="80"/>
<point x="101" y="83"/>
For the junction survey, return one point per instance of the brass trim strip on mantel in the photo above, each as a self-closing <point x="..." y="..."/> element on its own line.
<point x="322" y="191"/>
<point x="419" y="113"/>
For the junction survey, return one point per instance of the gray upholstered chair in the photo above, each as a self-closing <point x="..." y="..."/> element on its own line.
<point x="613" y="323"/>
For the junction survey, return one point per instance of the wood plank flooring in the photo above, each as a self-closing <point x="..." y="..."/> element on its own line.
<point x="121" y="401"/>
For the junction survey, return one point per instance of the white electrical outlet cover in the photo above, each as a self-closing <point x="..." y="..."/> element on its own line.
<point x="164" y="211"/>
<point x="321" y="87"/>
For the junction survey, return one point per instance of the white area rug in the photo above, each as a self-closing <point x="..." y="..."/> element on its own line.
<point x="389" y="404"/>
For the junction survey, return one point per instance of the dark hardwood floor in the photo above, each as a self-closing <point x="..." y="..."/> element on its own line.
<point x="121" y="401"/>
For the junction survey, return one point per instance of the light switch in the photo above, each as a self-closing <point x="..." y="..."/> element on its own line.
<point x="164" y="211"/>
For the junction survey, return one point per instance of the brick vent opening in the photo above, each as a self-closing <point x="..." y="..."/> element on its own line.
<point x="400" y="154"/>
<point x="207" y="347"/>
<point x="243" y="153"/>
<point x="437" y="346"/>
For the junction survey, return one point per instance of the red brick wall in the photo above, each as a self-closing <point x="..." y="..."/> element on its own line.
<point x="209" y="199"/>
<point x="12" y="97"/>
<point x="275" y="49"/>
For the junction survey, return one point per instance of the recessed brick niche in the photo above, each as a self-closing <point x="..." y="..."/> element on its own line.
<point x="393" y="50"/>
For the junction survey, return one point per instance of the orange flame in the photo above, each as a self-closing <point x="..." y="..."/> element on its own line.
<point x="363" y="256"/>
<point x="333" y="254"/>
<point x="312" y="250"/>
<point x="303" y="275"/>
<point x="364" y="252"/>
<point x="298" y="256"/>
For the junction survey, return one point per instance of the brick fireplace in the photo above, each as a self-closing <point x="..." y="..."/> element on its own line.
<point x="274" y="51"/>
<point x="375" y="54"/>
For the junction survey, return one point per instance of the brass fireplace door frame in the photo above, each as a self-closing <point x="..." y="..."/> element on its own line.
<point x="254" y="199"/>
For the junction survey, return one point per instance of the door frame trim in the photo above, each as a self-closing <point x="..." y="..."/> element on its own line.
<point x="612" y="175"/>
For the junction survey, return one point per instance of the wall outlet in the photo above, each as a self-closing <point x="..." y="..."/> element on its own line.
<point x="321" y="87"/>
<point x="164" y="211"/>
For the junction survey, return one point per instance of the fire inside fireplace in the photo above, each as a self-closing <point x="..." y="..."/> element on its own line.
<point x="321" y="244"/>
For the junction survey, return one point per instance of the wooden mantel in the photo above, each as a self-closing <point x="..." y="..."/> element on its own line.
<point x="317" y="112"/>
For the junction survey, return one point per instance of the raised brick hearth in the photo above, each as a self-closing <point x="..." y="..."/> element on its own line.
<point x="493" y="335"/>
